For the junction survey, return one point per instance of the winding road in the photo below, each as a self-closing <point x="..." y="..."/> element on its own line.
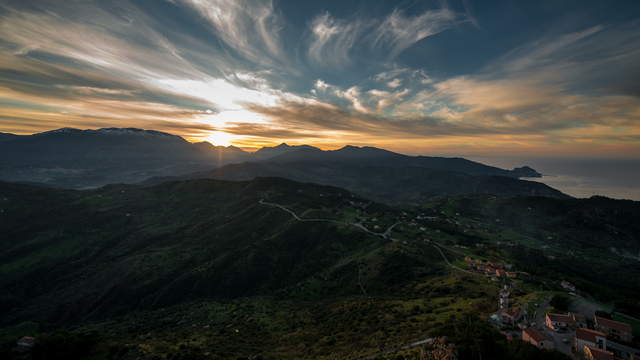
<point x="384" y="235"/>
<point x="437" y="246"/>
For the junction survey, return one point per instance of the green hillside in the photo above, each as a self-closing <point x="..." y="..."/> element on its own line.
<point x="274" y="269"/>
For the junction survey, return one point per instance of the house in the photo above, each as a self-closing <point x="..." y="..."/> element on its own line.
<point x="558" y="321"/>
<point x="504" y="302"/>
<point x="537" y="338"/>
<point x="588" y="337"/>
<point x="507" y="335"/>
<point x="501" y="273"/>
<point x="616" y="330"/>
<point x="567" y="285"/>
<point x="512" y="274"/>
<point x="623" y="351"/>
<point x="510" y="315"/>
<point x="579" y="320"/>
<point x="504" y="292"/>
<point x="25" y="343"/>
<point x="592" y="353"/>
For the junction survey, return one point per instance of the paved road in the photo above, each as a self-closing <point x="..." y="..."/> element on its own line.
<point x="437" y="246"/>
<point x="385" y="235"/>
<point x="558" y="343"/>
<point x="559" y="340"/>
<point x="539" y="314"/>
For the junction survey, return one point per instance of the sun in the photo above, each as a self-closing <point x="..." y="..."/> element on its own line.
<point x="220" y="138"/>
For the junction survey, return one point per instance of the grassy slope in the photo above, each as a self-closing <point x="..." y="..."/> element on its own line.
<point x="177" y="268"/>
<point x="556" y="239"/>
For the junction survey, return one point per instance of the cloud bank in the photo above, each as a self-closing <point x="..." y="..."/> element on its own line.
<point x="249" y="70"/>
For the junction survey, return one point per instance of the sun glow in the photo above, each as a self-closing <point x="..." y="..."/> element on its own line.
<point x="220" y="138"/>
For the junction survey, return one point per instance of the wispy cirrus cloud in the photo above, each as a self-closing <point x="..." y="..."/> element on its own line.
<point x="251" y="28"/>
<point x="333" y="39"/>
<point x="245" y="69"/>
<point x="400" y="31"/>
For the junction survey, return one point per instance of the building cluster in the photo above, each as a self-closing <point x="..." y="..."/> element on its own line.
<point x="25" y="344"/>
<point x="568" y="286"/>
<point x="494" y="270"/>
<point x="537" y="338"/>
<point x="600" y="339"/>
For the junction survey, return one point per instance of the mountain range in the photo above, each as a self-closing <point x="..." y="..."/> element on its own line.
<point x="88" y="158"/>
<point x="72" y="158"/>
<point x="217" y="253"/>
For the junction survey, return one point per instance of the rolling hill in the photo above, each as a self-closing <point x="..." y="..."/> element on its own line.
<point x="256" y="268"/>
<point x="385" y="176"/>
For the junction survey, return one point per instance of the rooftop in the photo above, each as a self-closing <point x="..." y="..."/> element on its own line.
<point x="535" y="334"/>
<point x="599" y="354"/>
<point x="588" y="334"/>
<point x="559" y="317"/>
<point x="612" y="324"/>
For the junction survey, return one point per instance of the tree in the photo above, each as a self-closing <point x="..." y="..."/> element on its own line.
<point x="561" y="302"/>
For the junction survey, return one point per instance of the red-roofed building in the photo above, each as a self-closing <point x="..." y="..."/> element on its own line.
<point x="614" y="329"/>
<point x="509" y="315"/>
<point x="587" y="337"/>
<point x="537" y="338"/>
<point x="501" y="273"/>
<point x="26" y="343"/>
<point x="558" y="321"/>
<point x="592" y="353"/>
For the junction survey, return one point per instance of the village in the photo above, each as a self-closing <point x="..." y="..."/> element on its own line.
<point x="578" y="335"/>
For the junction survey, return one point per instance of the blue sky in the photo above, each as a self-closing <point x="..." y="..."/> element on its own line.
<point x="445" y="77"/>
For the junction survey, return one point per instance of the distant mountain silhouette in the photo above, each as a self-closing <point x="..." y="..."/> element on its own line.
<point x="282" y="149"/>
<point x="76" y="158"/>
<point x="7" y="136"/>
<point x="380" y="157"/>
<point x="383" y="175"/>
<point x="70" y="157"/>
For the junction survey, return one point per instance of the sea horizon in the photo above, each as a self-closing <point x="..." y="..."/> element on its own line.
<point x="579" y="177"/>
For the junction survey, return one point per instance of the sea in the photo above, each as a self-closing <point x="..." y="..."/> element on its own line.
<point x="579" y="177"/>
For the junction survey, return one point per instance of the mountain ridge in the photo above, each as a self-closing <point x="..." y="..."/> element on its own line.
<point x="74" y="158"/>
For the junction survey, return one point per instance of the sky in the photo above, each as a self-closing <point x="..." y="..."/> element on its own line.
<point x="479" y="77"/>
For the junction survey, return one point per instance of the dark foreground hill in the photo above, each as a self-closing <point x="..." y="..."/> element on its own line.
<point x="210" y="269"/>
<point x="70" y="256"/>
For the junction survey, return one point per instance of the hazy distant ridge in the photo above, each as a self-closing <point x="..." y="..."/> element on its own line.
<point x="76" y="158"/>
